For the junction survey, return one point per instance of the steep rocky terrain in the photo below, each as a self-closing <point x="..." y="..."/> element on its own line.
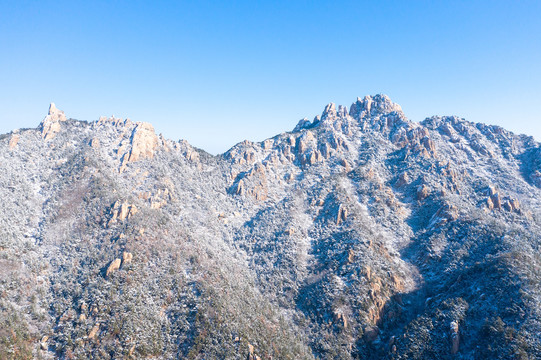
<point x="359" y="234"/>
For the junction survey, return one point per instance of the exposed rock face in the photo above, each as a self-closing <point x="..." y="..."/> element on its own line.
<point x="114" y="266"/>
<point x="342" y="215"/>
<point x="252" y="183"/>
<point x="160" y="199"/>
<point x="122" y="211"/>
<point x="143" y="142"/>
<point x="359" y="234"/>
<point x="490" y="203"/>
<point x="329" y="112"/>
<point x="403" y="179"/>
<point x="50" y="126"/>
<point x="371" y="333"/>
<point x="13" y="141"/>
<point x="304" y="141"/>
<point x="511" y="204"/>
<point x="422" y="192"/>
<point x="455" y="338"/>
<point x="447" y="212"/>
<point x="55" y="114"/>
<point x="311" y="157"/>
<point x="342" y="319"/>
<point x="94" y="331"/>
<point x="303" y="124"/>
<point x="370" y="106"/>
<point x="126" y="257"/>
<point x="351" y="256"/>
<point x="43" y="342"/>
<point x="495" y="201"/>
<point x="95" y="143"/>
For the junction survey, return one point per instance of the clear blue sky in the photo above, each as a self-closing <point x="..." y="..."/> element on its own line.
<point x="216" y="73"/>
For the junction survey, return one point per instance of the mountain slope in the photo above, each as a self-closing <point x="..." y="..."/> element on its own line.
<point x="359" y="234"/>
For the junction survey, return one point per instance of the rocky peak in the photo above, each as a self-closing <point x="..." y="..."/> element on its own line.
<point x="302" y="124"/>
<point x="342" y="111"/>
<point x="332" y="112"/>
<point x="435" y="122"/>
<point x="329" y="111"/>
<point x="306" y="124"/>
<point x="55" y="114"/>
<point x="117" y="122"/>
<point x="367" y="107"/>
<point x="373" y="105"/>
<point x="50" y="125"/>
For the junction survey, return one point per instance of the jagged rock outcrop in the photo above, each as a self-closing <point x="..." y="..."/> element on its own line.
<point x="14" y="140"/>
<point x="455" y="337"/>
<point x="121" y="211"/>
<point x="303" y="124"/>
<point x="342" y="214"/>
<point x="423" y="192"/>
<point x="160" y="198"/>
<point x="50" y="125"/>
<point x="403" y="179"/>
<point x="143" y="141"/>
<point x="95" y="143"/>
<point x="43" y="342"/>
<point x="142" y="144"/>
<point x="252" y="183"/>
<point x="94" y="331"/>
<point x="495" y="201"/>
<point x="371" y="106"/>
<point x="114" y="266"/>
<point x="126" y="258"/>
<point x="447" y="212"/>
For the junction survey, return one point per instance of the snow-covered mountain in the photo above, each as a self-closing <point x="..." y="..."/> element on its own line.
<point x="359" y="234"/>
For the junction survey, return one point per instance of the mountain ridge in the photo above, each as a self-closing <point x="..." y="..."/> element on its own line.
<point x="361" y="108"/>
<point x="360" y="234"/>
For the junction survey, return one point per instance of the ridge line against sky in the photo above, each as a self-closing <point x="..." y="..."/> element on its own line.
<point x="216" y="73"/>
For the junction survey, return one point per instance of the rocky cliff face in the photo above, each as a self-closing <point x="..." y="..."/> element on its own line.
<point x="359" y="234"/>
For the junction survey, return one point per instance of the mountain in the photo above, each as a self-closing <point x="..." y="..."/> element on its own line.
<point x="360" y="234"/>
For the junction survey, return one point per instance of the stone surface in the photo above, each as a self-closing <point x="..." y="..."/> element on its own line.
<point x="455" y="337"/>
<point x="50" y="126"/>
<point x="423" y="192"/>
<point x="121" y="211"/>
<point x="94" y="331"/>
<point x="143" y="142"/>
<point x="13" y="141"/>
<point x="342" y="215"/>
<point x="113" y="266"/>
<point x="126" y="257"/>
